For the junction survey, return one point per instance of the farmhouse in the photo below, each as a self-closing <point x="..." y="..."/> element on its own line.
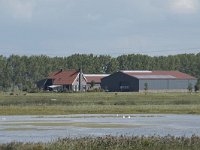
<point x="69" y="80"/>
<point x="94" y="80"/>
<point x="139" y="81"/>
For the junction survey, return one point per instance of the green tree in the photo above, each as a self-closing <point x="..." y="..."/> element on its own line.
<point x="145" y="88"/>
<point x="196" y="88"/>
<point x="190" y="88"/>
<point x="112" y="66"/>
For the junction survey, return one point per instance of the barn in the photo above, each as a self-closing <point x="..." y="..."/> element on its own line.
<point x="65" y="80"/>
<point x="138" y="81"/>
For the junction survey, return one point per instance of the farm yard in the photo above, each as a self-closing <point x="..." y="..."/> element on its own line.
<point x="105" y="120"/>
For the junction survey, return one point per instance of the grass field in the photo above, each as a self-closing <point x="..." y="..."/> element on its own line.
<point x="98" y="103"/>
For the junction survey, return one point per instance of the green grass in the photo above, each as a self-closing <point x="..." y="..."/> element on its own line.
<point x="99" y="103"/>
<point x="96" y="109"/>
<point x="112" y="143"/>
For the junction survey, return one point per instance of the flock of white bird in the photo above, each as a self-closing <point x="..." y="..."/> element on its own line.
<point x="123" y="116"/>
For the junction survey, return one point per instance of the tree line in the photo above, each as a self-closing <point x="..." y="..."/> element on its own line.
<point x="23" y="72"/>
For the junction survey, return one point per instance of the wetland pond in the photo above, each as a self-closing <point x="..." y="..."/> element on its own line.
<point x="50" y="128"/>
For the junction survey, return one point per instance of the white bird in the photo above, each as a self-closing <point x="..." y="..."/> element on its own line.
<point x="129" y="116"/>
<point x="123" y="117"/>
<point x="3" y="118"/>
<point x="117" y="115"/>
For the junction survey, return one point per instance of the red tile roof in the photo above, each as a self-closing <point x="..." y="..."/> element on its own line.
<point x="158" y="75"/>
<point x="63" y="77"/>
<point x="95" y="77"/>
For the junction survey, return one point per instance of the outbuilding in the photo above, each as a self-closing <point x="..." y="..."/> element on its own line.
<point x="138" y="81"/>
<point x="94" y="80"/>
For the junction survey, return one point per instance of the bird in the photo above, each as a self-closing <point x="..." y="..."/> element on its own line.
<point x="129" y="116"/>
<point x="3" y="118"/>
<point x="123" y="116"/>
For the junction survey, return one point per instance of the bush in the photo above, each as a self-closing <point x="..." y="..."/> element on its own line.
<point x="101" y="103"/>
<point x="189" y="87"/>
<point x="11" y="93"/>
<point x="196" y="87"/>
<point x="33" y="90"/>
<point x="95" y="90"/>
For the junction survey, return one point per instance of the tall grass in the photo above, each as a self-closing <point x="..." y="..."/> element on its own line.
<point x="112" y="143"/>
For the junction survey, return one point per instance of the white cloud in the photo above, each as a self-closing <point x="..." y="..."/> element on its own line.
<point x="184" y="6"/>
<point x="19" y="9"/>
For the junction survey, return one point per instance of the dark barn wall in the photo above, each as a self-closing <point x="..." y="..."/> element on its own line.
<point x="166" y="84"/>
<point x="113" y="82"/>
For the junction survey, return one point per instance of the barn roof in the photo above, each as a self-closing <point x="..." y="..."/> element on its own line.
<point x="63" y="77"/>
<point x="95" y="77"/>
<point x="158" y="74"/>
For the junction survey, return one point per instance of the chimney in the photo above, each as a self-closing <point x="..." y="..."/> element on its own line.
<point x="80" y="80"/>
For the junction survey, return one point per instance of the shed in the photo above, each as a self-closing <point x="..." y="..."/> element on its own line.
<point x="94" y="80"/>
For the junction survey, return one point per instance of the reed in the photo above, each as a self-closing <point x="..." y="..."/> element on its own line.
<point x="112" y="143"/>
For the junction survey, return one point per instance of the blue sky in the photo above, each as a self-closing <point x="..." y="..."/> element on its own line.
<point x="114" y="27"/>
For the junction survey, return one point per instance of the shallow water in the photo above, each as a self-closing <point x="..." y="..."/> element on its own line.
<point x="49" y="128"/>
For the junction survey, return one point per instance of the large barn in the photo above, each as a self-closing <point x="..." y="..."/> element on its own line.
<point x="138" y="81"/>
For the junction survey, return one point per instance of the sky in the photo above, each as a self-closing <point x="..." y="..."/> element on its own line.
<point x="108" y="27"/>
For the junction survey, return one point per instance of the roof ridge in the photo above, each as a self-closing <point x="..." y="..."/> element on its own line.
<point x="160" y="74"/>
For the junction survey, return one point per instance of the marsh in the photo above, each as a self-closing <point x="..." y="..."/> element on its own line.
<point x="45" y="128"/>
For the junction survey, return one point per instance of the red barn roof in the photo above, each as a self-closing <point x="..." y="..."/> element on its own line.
<point x="95" y="77"/>
<point x="158" y="75"/>
<point x="63" y="77"/>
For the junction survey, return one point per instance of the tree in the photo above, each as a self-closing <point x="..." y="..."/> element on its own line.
<point x="190" y="88"/>
<point x="196" y="87"/>
<point x="112" y="66"/>
<point x="145" y="88"/>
